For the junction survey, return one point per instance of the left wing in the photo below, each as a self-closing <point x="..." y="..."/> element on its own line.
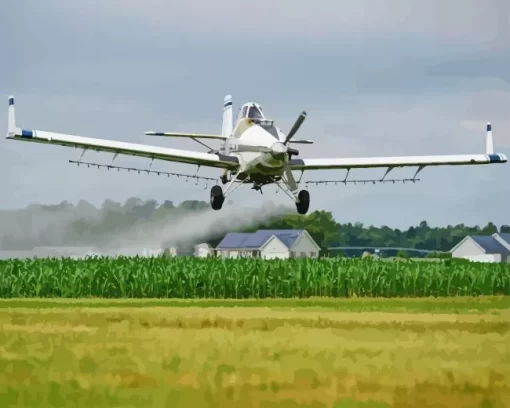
<point x="403" y="161"/>
<point x="112" y="146"/>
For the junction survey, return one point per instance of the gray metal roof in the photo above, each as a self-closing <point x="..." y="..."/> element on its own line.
<point x="505" y="236"/>
<point x="255" y="240"/>
<point x="490" y="244"/>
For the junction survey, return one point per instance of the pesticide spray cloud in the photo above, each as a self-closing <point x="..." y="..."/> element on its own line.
<point x="39" y="225"/>
<point x="51" y="230"/>
<point x="185" y="230"/>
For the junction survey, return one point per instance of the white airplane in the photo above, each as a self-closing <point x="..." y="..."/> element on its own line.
<point x="254" y="151"/>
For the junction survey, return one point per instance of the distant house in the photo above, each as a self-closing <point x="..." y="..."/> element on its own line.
<point x="268" y="244"/>
<point x="484" y="248"/>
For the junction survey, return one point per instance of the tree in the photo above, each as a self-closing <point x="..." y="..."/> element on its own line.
<point x="132" y="203"/>
<point x="489" y="229"/>
<point x="110" y="205"/>
<point x="402" y="254"/>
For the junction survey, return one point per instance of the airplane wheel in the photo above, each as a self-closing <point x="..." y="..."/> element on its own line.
<point x="217" y="197"/>
<point x="304" y="202"/>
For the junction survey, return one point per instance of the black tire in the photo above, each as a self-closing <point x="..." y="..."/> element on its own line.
<point x="217" y="198"/>
<point x="304" y="202"/>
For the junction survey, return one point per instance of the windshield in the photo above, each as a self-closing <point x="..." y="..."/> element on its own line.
<point x="254" y="113"/>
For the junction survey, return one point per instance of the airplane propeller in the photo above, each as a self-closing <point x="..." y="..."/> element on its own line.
<point x="297" y="124"/>
<point x="295" y="128"/>
<point x="287" y="171"/>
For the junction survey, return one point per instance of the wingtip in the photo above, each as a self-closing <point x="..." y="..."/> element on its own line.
<point x="489" y="127"/>
<point x="11" y="100"/>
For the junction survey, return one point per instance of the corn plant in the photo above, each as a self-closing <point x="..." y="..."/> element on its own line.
<point x="139" y="277"/>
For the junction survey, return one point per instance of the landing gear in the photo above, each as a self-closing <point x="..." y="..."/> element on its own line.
<point x="289" y="186"/>
<point x="218" y="194"/>
<point x="224" y="177"/>
<point x="304" y="202"/>
<point x="301" y="198"/>
<point x="217" y="198"/>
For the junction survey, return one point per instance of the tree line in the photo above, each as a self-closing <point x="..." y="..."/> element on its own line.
<point x="86" y="224"/>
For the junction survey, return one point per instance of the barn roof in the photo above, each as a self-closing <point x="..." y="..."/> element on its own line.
<point x="505" y="236"/>
<point x="490" y="244"/>
<point x="256" y="240"/>
<point x="234" y="240"/>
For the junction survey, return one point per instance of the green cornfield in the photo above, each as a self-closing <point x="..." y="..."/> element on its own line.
<point x="216" y="278"/>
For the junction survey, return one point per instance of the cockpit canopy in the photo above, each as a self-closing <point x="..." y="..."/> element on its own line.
<point x="252" y="111"/>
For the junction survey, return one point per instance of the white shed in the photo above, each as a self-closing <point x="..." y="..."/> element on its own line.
<point x="482" y="248"/>
<point x="269" y="244"/>
<point x="203" y="250"/>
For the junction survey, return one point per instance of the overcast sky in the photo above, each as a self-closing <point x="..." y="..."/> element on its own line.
<point x="377" y="78"/>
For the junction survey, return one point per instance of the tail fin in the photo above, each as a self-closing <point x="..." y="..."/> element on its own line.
<point x="227" y="125"/>
<point x="226" y="129"/>
<point x="11" y="121"/>
<point x="489" y="144"/>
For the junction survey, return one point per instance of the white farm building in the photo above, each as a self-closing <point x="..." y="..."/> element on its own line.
<point x="203" y="250"/>
<point x="268" y="244"/>
<point x="484" y="248"/>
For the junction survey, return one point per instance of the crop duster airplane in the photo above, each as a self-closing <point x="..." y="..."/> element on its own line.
<point x="254" y="151"/>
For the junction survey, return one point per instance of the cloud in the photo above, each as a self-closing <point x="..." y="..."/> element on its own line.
<point x="466" y="21"/>
<point x="376" y="78"/>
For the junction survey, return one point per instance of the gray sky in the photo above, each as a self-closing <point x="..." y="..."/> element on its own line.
<point x="377" y="78"/>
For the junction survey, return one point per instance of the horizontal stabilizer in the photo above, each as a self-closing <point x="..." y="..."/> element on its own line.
<point x="301" y="141"/>
<point x="251" y="149"/>
<point x="186" y="135"/>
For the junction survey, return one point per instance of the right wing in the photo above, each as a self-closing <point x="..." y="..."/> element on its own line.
<point x="111" y="146"/>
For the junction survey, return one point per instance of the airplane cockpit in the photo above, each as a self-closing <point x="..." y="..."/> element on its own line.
<point x="251" y="111"/>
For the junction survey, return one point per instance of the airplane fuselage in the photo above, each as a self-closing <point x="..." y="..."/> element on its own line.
<point x="259" y="146"/>
<point x="258" y="167"/>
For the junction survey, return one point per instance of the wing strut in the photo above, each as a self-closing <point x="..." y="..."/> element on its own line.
<point x="211" y="150"/>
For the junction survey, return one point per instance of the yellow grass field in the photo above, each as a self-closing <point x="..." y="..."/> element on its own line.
<point x="106" y="353"/>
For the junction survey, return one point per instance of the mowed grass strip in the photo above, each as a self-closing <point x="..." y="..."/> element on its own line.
<point x="436" y="305"/>
<point x="257" y="356"/>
